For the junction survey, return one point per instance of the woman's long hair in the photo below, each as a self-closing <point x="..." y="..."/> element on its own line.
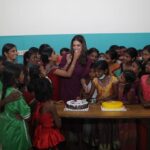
<point x="81" y="39"/>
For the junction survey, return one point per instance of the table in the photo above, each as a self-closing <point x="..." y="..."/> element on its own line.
<point x="133" y="111"/>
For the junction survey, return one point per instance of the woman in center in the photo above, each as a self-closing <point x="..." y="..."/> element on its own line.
<point x="70" y="87"/>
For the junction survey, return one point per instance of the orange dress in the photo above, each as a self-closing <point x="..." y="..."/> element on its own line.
<point x="104" y="90"/>
<point x="46" y="134"/>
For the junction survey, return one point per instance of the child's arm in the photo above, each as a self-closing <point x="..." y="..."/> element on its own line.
<point x="52" y="109"/>
<point x="68" y="61"/>
<point x="84" y="85"/>
<point x="91" y="91"/>
<point x="10" y="98"/>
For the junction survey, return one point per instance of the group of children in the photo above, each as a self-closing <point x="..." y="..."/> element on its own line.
<point x="30" y="90"/>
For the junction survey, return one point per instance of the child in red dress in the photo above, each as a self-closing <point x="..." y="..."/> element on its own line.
<point x="47" y="123"/>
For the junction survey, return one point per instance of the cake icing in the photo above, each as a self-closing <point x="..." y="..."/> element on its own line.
<point x="112" y="105"/>
<point x="77" y="104"/>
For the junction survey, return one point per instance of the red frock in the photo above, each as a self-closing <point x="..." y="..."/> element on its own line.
<point x="46" y="135"/>
<point x="55" y="83"/>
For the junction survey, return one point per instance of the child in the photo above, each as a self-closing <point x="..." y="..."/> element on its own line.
<point x="137" y="68"/>
<point x="93" y="54"/>
<point x="49" y="59"/>
<point x="87" y="83"/>
<point x="64" y="51"/>
<point x="145" y="86"/>
<point x="47" y="134"/>
<point x="13" y="131"/>
<point x="145" y="100"/>
<point x="104" y="83"/>
<point x="9" y="52"/>
<point x="111" y="58"/>
<point x="126" y="93"/>
<point x="145" y="56"/>
<point x="126" y="87"/>
<point x="146" y="53"/>
<point x="129" y="56"/>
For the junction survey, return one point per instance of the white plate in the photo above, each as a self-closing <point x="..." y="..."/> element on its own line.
<point x="67" y="109"/>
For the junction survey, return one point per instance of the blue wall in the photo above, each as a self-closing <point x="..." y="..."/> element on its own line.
<point x="100" y="41"/>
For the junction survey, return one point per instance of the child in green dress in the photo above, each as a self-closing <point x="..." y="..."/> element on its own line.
<point x="13" y="131"/>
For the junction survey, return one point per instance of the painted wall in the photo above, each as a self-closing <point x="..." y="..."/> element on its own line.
<point x="29" y="23"/>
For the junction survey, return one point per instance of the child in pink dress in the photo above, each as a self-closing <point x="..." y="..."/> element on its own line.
<point x="145" y="86"/>
<point x="145" y="100"/>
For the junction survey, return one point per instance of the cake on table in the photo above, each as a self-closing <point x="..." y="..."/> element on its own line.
<point x="77" y="105"/>
<point x="113" y="106"/>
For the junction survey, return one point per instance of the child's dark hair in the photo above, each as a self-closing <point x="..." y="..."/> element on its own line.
<point x="34" y="73"/>
<point x="113" y="54"/>
<point x="146" y="48"/>
<point x="101" y="65"/>
<point x="45" y="55"/>
<point x="26" y="56"/>
<point x="33" y="50"/>
<point x="114" y="47"/>
<point x="43" y="47"/>
<point x="93" y="50"/>
<point x="130" y="78"/>
<point x="132" y="52"/>
<point x="67" y="50"/>
<point x="42" y="89"/>
<point x="139" y="64"/>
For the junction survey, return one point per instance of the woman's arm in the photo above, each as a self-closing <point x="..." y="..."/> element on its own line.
<point x="68" y="73"/>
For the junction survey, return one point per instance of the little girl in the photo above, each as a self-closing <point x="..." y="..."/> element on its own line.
<point x="111" y="58"/>
<point x="103" y="82"/>
<point x="145" y="86"/>
<point x="13" y="131"/>
<point x="49" y="59"/>
<point x="93" y="54"/>
<point x="47" y="135"/>
<point x="145" y="100"/>
<point x="105" y="85"/>
<point x="126" y="93"/>
<point x="129" y="56"/>
<point x="9" y="52"/>
<point x="126" y="87"/>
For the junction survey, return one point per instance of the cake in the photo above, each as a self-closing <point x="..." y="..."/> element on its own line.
<point x="77" y="104"/>
<point x="113" y="105"/>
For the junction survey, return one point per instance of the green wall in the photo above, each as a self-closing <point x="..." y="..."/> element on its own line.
<point x="100" y="41"/>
